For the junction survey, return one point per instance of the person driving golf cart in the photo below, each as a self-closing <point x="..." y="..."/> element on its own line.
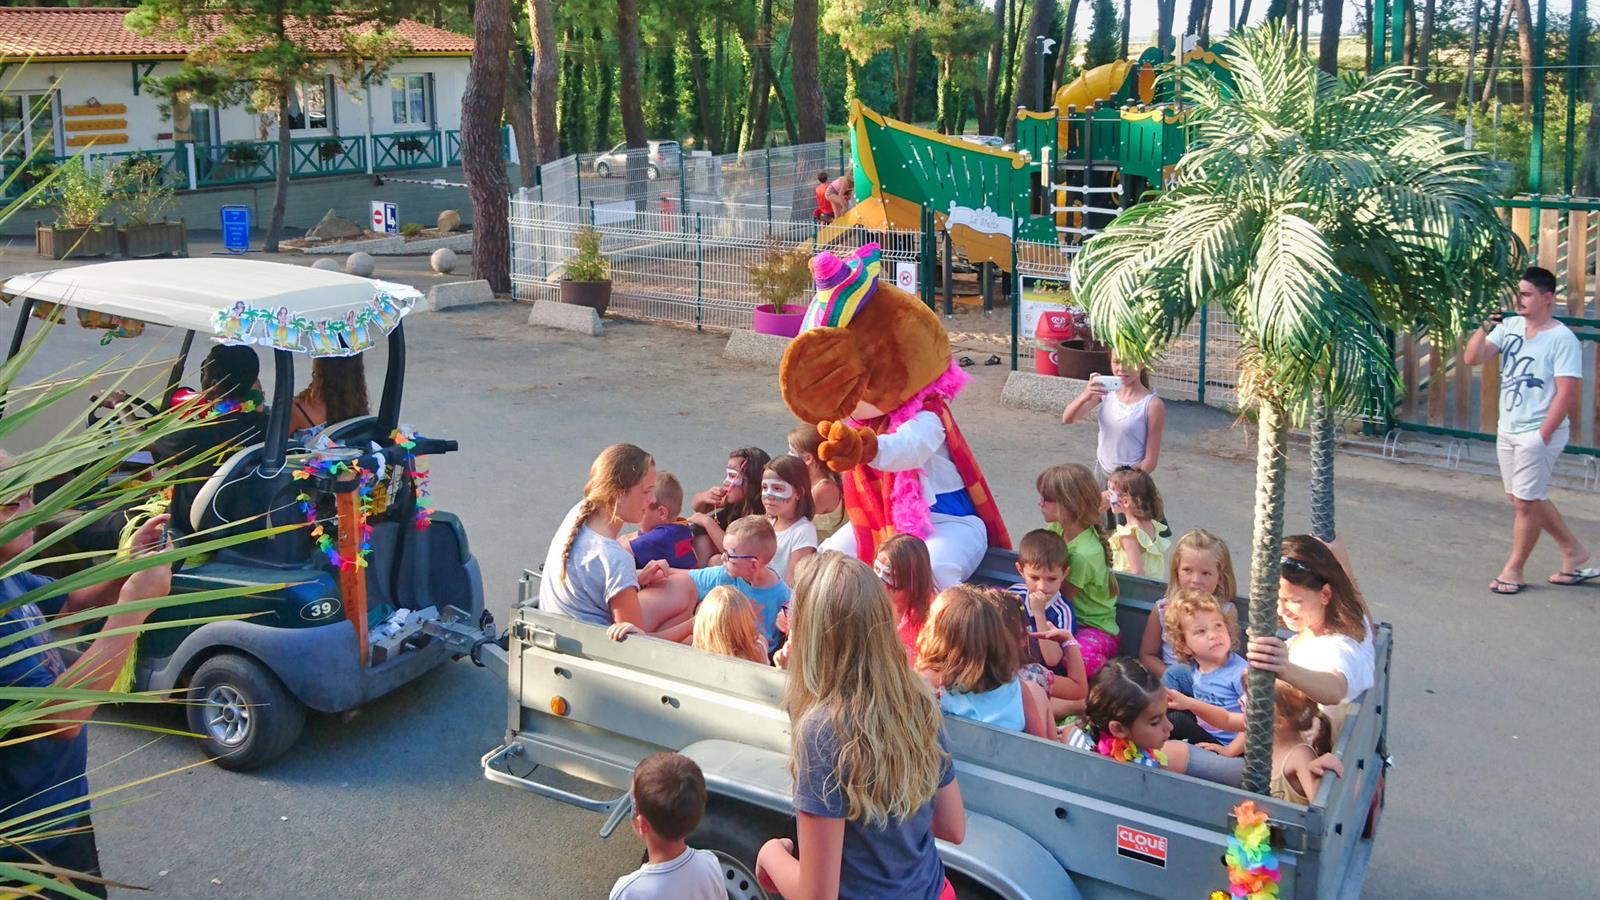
<point x="233" y="420"/>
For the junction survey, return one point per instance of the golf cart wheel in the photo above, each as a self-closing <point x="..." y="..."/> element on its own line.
<point x="602" y="169"/>
<point x="652" y="172"/>
<point x="243" y="714"/>
<point x="736" y="837"/>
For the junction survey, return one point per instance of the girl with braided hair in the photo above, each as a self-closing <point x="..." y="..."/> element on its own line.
<point x="590" y="576"/>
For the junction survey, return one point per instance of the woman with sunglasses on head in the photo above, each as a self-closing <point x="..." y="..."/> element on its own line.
<point x="1330" y="657"/>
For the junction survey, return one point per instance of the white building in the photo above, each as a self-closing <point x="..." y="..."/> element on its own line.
<point x="73" y="78"/>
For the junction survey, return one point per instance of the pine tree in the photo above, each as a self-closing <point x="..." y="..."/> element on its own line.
<point x="1103" y="34"/>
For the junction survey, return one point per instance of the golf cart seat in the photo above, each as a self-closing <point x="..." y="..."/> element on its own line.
<point x="239" y="494"/>
<point x="357" y="428"/>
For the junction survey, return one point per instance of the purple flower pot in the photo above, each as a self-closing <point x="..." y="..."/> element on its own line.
<point x="784" y="324"/>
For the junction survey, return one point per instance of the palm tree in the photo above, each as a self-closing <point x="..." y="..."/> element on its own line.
<point x="1317" y="212"/>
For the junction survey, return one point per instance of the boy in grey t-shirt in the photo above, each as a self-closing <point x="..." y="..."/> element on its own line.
<point x="669" y="797"/>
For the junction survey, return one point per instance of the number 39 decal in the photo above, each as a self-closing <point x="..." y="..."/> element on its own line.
<point x="317" y="610"/>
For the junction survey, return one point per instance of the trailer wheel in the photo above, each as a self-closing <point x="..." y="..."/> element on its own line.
<point x="736" y="836"/>
<point x="243" y="714"/>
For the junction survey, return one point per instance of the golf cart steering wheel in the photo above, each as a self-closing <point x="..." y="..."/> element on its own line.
<point x="132" y="410"/>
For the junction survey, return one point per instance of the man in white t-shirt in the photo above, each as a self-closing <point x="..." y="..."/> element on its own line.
<point x="1541" y="373"/>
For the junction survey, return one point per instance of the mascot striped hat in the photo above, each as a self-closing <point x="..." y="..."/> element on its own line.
<point x="843" y="287"/>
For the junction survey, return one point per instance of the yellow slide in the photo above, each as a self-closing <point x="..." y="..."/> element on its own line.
<point x="1099" y="83"/>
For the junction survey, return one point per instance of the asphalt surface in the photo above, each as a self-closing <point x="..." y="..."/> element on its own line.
<point x="1492" y="731"/>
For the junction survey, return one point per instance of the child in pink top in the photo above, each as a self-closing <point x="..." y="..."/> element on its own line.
<point x="904" y="567"/>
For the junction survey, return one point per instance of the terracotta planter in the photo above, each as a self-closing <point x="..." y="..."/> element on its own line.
<point x="1078" y="359"/>
<point x="594" y="294"/>
<point x="785" y="324"/>
<point x="153" y="239"/>
<point x="58" y="243"/>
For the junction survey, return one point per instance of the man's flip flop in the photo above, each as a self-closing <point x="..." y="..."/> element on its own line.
<point x="992" y="361"/>
<point x="1568" y="579"/>
<point x="1506" y="588"/>
<point x="965" y="361"/>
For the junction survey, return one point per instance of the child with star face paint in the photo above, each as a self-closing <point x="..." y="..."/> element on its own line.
<point x="737" y="496"/>
<point x="786" y="499"/>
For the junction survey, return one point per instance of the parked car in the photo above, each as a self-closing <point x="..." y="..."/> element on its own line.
<point x="658" y="154"/>
<point x="993" y="142"/>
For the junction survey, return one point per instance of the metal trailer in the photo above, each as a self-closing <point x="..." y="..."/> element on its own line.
<point x="1043" y="820"/>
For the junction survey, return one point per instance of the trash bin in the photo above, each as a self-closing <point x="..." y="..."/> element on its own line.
<point x="1054" y="327"/>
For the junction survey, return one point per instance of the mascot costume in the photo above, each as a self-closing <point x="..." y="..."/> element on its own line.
<point x="872" y="370"/>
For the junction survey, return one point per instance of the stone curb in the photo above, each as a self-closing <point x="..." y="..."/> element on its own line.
<point x="459" y="293"/>
<point x="758" y="349"/>
<point x="566" y="316"/>
<point x="1044" y="393"/>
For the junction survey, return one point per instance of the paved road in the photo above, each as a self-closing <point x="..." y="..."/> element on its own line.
<point x="1491" y="732"/>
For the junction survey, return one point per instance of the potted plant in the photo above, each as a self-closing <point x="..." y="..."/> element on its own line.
<point x="146" y="195"/>
<point x="244" y="154"/>
<point x="330" y="148"/>
<point x="79" y="196"/>
<point x="410" y="146"/>
<point x="1065" y="346"/>
<point x="587" y="280"/>
<point x="780" y="278"/>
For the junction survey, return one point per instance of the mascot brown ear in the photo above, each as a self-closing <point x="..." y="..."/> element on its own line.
<point x="822" y="375"/>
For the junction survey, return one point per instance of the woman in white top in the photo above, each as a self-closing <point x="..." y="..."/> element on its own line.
<point x="590" y="577"/>
<point x="1131" y="419"/>
<point x="1330" y="657"/>
<point x="786" y="498"/>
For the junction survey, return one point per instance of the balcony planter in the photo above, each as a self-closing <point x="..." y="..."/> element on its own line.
<point x="153" y="239"/>
<point x="764" y="320"/>
<point x="54" y="242"/>
<point x="330" y="148"/>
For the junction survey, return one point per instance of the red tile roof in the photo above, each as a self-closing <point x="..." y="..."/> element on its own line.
<point x="67" y="33"/>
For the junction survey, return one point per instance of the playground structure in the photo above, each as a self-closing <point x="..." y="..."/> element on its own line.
<point x="1111" y="134"/>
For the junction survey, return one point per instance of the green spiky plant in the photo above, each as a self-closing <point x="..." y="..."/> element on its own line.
<point x="1317" y="212"/>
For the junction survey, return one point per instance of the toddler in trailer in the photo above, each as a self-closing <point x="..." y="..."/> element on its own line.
<point x="669" y="798"/>
<point x="906" y="571"/>
<point x="662" y="535"/>
<point x="726" y="624"/>
<point x="1138" y="545"/>
<point x="1048" y="620"/>
<point x="736" y="497"/>
<point x="786" y="499"/>
<point x="1125" y="720"/>
<point x="1073" y="504"/>
<point x="1302" y="744"/>
<point x="970" y="651"/>
<point x="1200" y="561"/>
<point x="1211" y="669"/>
<point x="827" y="497"/>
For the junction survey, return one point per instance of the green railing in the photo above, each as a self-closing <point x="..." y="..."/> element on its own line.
<point x="239" y="162"/>
<point x="314" y="156"/>
<point x="452" y="144"/>
<point x="174" y="163"/>
<point x="406" y="150"/>
<point x="32" y="172"/>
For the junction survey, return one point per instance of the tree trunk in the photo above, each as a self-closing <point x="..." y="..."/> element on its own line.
<point x="1408" y="48"/>
<point x="1127" y="20"/>
<point x="1425" y="43"/>
<point x="1244" y="14"/>
<point x="754" y="133"/>
<point x="702" y="91"/>
<point x="519" y="115"/>
<point x="485" y="172"/>
<point x="630" y="91"/>
<point x="1266" y="548"/>
<point x="1588" y="176"/>
<point x="1008" y="89"/>
<point x="1068" y="36"/>
<point x="1166" y="11"/>
<point x="1497" y="42"/>
<point x="1199" y="18"/>
<point x="608" y="86"/>
<point x="1328" y="47"/>
<point x="1322" y="446"/>
<point x="280" y="184"/>
<point x="1366" y="36"/>
<point x="1033" y="68"/>
<point x="997" y="55"/>
<point x="810" y="107"/>
<point x="1525" y="48"/>
<point x="907" y="92"/>
<point x="542" y="31"/>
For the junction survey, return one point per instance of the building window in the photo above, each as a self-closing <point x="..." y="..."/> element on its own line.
<point x="409" y="99"/>
<point x="27" y="125"/>
<point x="309" y="109"/>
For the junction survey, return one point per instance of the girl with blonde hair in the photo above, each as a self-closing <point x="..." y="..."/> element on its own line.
<point x="972" y="652"/>
<point x="873" y="782"/>
<point x="726" y="624"/>
<point x="590" y="576"/>
<point x="1072" y="503"/>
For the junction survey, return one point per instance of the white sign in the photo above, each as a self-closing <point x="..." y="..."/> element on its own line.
<point x="1038" y="302"/>
<point x="385" y="217"/>
<point x="983" y="220"/>
<point x="905" y="276"/>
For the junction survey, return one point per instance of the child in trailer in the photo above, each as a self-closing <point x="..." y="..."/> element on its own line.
<point x="827" y="496"/>
<point x="971" y="653"/>
<point x="739" y="495"/>
<point x="1299" y="762"/>
<point x="1200" y="561"/>
<point x="669" y="799"/>
<point x="748" y="548"/>
<point x="907" y="574"/>
<point x="1125" y="720"/>
<point x="1138" y="545"/>
<point x="873" y="782"/>
<point x="786" y="499"/>
<point x="662" y="535"/>
<point x="726" y="623"/>
<point x="1072" y="505"/>
<point x="1211" y="669"/>
<point x="1048" y="620"/>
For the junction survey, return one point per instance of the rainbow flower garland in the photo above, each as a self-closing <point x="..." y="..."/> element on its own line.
<point x="323" y="536"/>
<point x="419" y="478"/>
<point x="1252" y="866"/>
<point x="1124" y="750"/>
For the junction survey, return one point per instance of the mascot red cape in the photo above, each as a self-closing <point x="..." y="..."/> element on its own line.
<point x="872" y="370"/>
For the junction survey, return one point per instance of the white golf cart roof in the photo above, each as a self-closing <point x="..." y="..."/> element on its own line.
<point x="235" y="301"/>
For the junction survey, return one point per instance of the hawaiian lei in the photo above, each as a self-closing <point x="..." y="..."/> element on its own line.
<point x="419" y="477"/>
<point x="324" y="539"/>
<point x="1252" y="866"/>
<point x="1124" y="750"/>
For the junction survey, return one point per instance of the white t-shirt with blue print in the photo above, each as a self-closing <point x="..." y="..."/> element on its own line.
<point x="1529" y="368"/>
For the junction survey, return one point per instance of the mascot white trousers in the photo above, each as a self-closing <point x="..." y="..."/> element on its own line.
<point x="956" y="546"/>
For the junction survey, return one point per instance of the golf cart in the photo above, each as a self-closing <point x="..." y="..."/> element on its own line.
<point x="249" y="681"/>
